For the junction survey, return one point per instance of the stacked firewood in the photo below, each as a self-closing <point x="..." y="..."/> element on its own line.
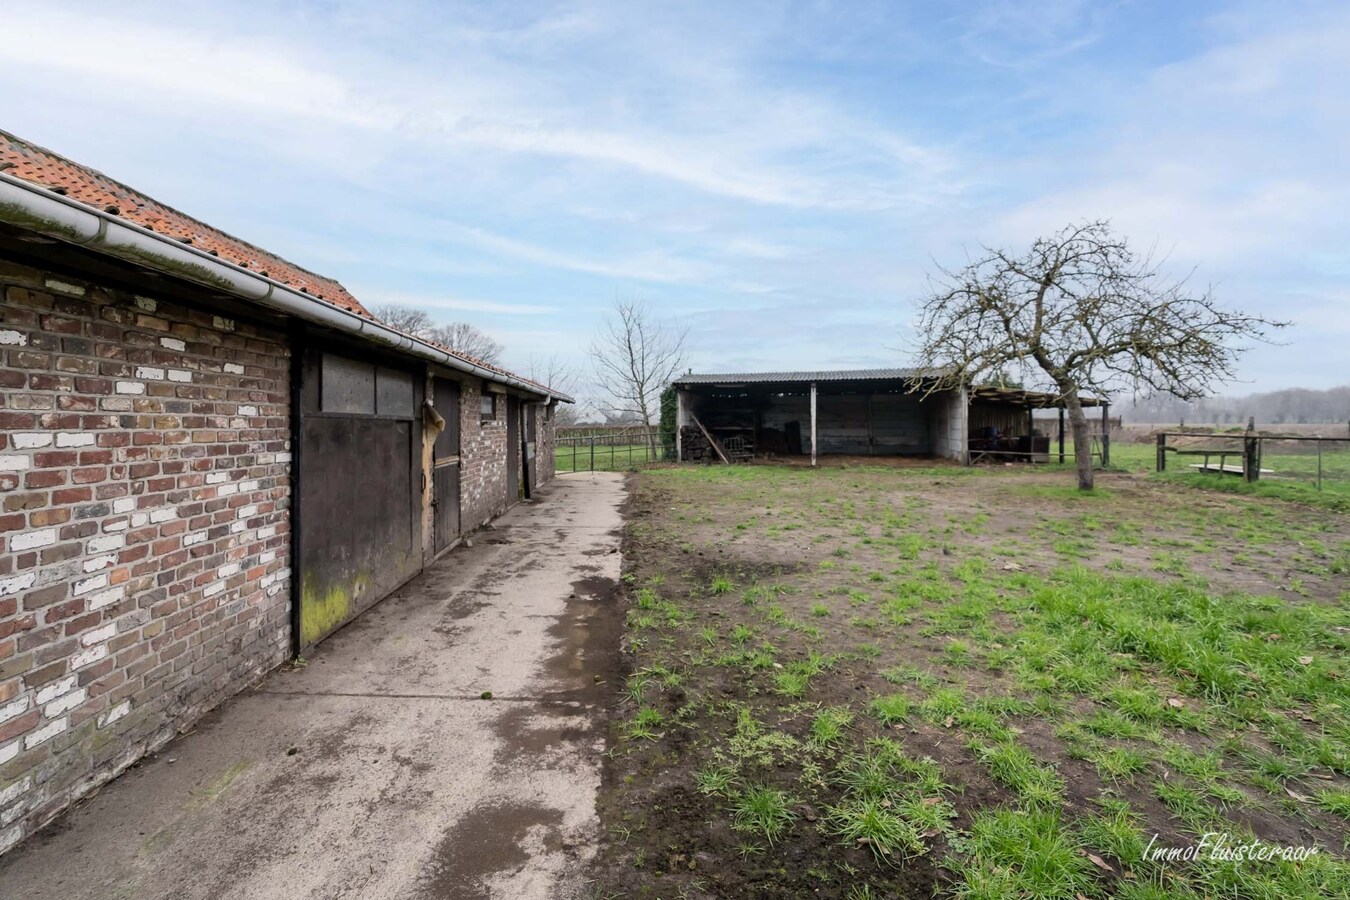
<point x="695" y="446"/>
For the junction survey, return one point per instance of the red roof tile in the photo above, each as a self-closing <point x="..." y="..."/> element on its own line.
<point x="39" y="166"/>
<point x="44" y="168"/>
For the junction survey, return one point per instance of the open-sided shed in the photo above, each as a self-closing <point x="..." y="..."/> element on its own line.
<point x="857" y="412"/>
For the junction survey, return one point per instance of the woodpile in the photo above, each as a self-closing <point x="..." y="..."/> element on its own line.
<point x="696" y="447"/>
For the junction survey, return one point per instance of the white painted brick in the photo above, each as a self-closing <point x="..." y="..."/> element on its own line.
<point x="246" y="511"/>
<point x="283" y="457"/>
<point x="105" y="598"/>
<point x="115" y="525"/>
<point x="65" y="287"/>
<point x="114" y="714"/>
<point x="99" y="563"/>
<point x="65" y="704"/>
<point x="90" y="584"/>
<point x="164" y="515"/>
<point x="227" y="489"/>
<point x="74" y="439"/>
<point x="150" y="373"/>
<point x="148" y="304"/>
<point x="18" y="583"/>
<point x="16" y="790"/>
<point x="106" y="542"/>
<point x="172" y="344"/>
<point x="217" y="477"/>
<point x="29" y="440"/>
<point x="57" y="688"/>
<point x="13" y="708"/>
<point x="239" y="526"/>
<point x="30" y="539"/>
<point x="130" y="387"/>
<point x="12" y="463"/>
<point x="269" y="531"/>
<point x="193" y="539"/>
<point x="227" y="570"/>
<point x="45" y="733"/>
<point x="248" y="410"/>
<point x="85" y="657"/>
<point x="234" y="368"/>
<point x="8" y="752"/>
<point x="123" y="504"/>
<point x="98" y="635"/>
<point x="212" y="589"/>
<point x="265" y="558"/>
<point x="222" y="323"/>
<point x="139" y="519"/>
<point x="12" y="339"/>
<point x="181" y="376"/>
<point x="247" y="486"/>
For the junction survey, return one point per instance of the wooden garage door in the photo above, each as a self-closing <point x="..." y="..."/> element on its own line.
<point x="445" y="474"/>
<point x="359" y="470"/>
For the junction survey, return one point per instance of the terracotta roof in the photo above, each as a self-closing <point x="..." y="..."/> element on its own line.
<point x="39" y="166"/>
<point x="42" y="167"/>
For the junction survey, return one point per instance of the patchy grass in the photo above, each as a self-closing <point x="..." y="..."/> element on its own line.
<point x="894" y="682"/>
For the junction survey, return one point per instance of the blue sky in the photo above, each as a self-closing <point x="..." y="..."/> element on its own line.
<point x="780" y="177"/>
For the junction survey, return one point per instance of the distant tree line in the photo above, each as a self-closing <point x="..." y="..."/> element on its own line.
<point x="1294" y="406"/>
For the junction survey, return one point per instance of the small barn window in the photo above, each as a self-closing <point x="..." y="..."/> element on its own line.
<point x="487" y="408"/>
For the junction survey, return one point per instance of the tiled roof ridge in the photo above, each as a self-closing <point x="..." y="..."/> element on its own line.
<point x="33" y="163"/>
<point x="28" y="161"/>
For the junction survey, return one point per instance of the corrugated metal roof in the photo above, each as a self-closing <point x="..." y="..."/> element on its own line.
<point x="828" y="375"/>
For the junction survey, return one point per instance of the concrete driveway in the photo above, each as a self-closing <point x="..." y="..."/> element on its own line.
<point x="377" y="770"/>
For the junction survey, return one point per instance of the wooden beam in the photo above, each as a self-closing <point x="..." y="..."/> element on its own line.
<point x="813" y="424"/>
<point x="717" y="448"/>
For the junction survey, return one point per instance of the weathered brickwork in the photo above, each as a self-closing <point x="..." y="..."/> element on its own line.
<point x="482" y="450"/>
<point x="144" y="535"/>
<point x="546" y="444"/>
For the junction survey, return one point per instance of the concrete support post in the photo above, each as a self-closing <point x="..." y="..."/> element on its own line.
<point x="813" y="424"/>
<point x="681" y="420"/>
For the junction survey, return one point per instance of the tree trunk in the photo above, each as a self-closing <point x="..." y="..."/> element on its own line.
<point x="1082" y="439"/>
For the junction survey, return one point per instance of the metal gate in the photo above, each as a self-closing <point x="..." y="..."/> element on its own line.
<point x="359" y="467"/>
<point x="445" y="474"/>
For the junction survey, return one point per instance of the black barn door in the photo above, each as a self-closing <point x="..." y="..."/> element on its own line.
<point x="445" y="473"/>
<point x="531" y="443"/>
<point x="512" y="450"/>
<point x="359" y="515"/>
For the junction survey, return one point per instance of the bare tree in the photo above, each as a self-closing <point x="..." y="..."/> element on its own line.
<point x="465" y="338"/>
<point x="552" y="372"/>
<point x="458" y="336"/>
<point x="408" y="319"/>
<point x="635" y="357"/>
<point x="1080" y="313"/>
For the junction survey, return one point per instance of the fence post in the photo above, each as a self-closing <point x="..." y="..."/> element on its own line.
<point x="592" y="453"/>
<point x="1162" y="452"/>
<point x="1319" y="465"/>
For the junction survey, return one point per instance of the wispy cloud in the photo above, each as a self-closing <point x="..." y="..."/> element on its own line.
<point x="781" y="175"/>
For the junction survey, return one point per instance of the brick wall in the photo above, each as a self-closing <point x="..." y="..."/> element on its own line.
<point x="144" y="534"/>
<point x="546" y="456"/>
<point x="482" y="449"/>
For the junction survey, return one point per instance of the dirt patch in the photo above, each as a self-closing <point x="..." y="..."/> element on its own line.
<point x="487" y="841"/>
<point x="767" y="595"/>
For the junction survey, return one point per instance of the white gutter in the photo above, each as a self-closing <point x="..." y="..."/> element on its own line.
<point x="35" y="208"/>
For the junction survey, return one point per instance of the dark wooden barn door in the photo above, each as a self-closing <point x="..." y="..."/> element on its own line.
<point x="512" y="450"/>
<point x="531" y="444"/>
<point x="359" y="467"/>
<point x="445" y="471"/>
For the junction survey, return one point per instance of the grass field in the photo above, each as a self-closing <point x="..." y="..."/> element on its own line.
<point x="579" y="457"/>
<point x="975" y="683"/>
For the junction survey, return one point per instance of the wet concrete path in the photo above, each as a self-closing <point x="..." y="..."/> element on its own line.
<point x="376" y="770"/>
